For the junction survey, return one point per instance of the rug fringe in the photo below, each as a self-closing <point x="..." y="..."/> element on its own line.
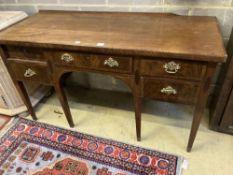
<point x="182" y="164"/>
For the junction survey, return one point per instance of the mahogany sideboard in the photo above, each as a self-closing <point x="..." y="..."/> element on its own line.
<point x="159" y="56"/>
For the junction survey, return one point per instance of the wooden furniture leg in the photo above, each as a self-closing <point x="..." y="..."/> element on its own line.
<point x="199" y="110"/>
<point x="63" y="100"/>
<point x="137" y="101"/>
<point x="201" y="104"/>
<point x="137" y="106"/>
<point x="24" y="95"/>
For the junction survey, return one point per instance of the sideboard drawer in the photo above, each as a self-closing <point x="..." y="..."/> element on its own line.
<point x="30" y="70"/>
<point x="170" y="90"/>
<point x="172" y="68"/>
<point x="91" y="61"/>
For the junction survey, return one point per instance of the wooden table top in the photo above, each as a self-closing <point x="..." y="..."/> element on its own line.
<point x="144" y="34"/>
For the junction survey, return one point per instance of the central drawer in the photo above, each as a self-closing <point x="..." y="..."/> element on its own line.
<point x="170" y="90"/>
<point x="94" y="61"/>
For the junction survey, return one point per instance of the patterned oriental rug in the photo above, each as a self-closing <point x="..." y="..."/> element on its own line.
<point x="29" y="147"/>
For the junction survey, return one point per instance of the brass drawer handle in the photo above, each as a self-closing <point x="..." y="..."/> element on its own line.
<point x="171" y="67"/>
<point x="111" y="62"/>
<point x="29" y="73"/>
<point x="67" y="58"/>
<point x="169" y="90"/>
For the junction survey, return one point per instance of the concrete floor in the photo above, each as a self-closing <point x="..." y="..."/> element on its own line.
<point x="165" y="127"/>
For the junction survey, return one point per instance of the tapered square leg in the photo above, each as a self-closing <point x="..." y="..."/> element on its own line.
<point x="24" y="95"/>
<point x="201" y="104"/>
<point x="199" y="111"/>
<point x="64" y="103"/>
<point x="137" y="106"/>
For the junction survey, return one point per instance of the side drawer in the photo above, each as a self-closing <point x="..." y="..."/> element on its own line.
<point x="172" y="68"/>
<point x="25" y="70"/>
<point x="94" y="61"/>
<point x="170" y="90"/>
